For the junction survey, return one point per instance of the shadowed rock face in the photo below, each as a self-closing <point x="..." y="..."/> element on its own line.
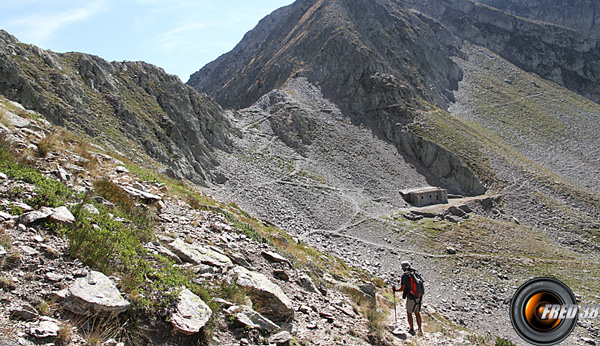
<point x="134" y="107"/>
<point x="579" y="15"/>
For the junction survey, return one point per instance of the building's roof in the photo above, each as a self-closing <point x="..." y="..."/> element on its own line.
<point x="422" y="190"/>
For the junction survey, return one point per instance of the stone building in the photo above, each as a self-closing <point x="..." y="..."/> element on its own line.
<point x="425" y="196"/>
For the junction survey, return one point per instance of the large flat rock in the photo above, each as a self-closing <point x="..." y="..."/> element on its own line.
<point x="14" y="120"/>
<point x="273" y="302"/>
<point x="93" y="294"/>
<point x="197" y="254"/>
<point x="35" y="215"/>
<point x="63" y="216"/>
<point x="191" y="314"/>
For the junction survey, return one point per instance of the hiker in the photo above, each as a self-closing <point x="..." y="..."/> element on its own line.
<point x="411" y="286"/>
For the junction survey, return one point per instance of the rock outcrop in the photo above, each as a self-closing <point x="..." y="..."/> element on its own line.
<point x="133" y="107"/>
<point x="197" y="254"/>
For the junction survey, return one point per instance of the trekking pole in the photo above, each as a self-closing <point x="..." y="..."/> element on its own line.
<point x="395" y="314"/>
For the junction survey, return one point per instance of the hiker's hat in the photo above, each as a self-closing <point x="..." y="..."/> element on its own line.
<point x="405" y="265"/>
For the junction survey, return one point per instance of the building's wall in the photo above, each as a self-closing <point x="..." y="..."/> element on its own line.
<point x="428" y="197"/>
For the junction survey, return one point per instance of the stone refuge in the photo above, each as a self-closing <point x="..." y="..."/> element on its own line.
<point x="425" y="196"/>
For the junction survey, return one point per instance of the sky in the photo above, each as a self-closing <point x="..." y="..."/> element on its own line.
<point x="180" y="36"/>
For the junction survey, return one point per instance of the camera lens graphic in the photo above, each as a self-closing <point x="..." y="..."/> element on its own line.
<point x="527" y="311"/>
<point x="534" y="309"/>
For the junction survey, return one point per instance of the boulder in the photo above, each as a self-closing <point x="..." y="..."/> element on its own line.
<point x="28" y="250"/>
<point x="26" y="208"/>
<point x="141" y="194"/>
<point x="62" y="216"/>
<point x="252" y="319"/>
<point x="157" y="248"/>
<point x="44" y="329"/>
<point x="282" y="338"/>
<point x="90" y="208"/>
<point x="280" y="274"/>
<point x="364" y="292"/>
<point x="36" y="215"/>
<point x="121" y="170"/>
<point x="274" y="257"/>
<point x="197" y="254"/>
<point x="93" y="294"/>
<point x="191" y="313"/>
<point x="400" y="333"/>
<point x="456" y="211"/>
<point x="25" y="312"/>
<point x="306" y="282"/>
<point x="239" y="259"/>
<point x="4" y="216"/>
<point x="14" y="120"/>
<point x="269" y="296"/>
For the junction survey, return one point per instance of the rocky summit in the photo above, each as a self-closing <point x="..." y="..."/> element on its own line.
<point x="271" y="200"/>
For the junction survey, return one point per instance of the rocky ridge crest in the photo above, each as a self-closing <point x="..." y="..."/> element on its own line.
<point x="134" y="107"/>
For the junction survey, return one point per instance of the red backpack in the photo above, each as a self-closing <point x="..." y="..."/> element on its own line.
<point x="416" y="288"/>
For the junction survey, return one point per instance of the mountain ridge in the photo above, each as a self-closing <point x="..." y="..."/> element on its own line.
<point x="385" y="87"/>
<point x="134" y="107"/>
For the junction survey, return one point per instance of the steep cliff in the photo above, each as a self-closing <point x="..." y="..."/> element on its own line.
<point x="562" y="55"/>
<point x="135" y="107"/>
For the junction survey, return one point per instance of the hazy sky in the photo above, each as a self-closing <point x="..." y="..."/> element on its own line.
<point x="180" y="36"/>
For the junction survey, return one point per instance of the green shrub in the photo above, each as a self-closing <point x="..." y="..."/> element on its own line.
<point x="48" y="191"/>
<point x="504" y="342"/>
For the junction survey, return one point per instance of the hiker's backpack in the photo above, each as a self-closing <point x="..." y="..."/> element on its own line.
<point x="416" y="287"/>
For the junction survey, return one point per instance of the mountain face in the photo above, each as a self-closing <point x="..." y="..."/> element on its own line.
<point x="374" y="59"/>
<point x="134" y="107"/>
<point x="562" y="55"/>
<point x="354" y="49"/>
<point x="579" y="15"/>
<point x="382" y="37"/>
<point x="387" y="63"/>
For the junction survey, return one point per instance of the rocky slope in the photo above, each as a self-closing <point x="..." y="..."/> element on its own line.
<point x="133" y="107"/>
<point x="336" y="106"/>
<point x="80" y="266"/>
